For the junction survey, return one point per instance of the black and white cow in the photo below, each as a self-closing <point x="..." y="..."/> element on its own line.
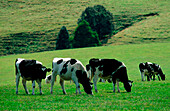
<point x="70" y="69"/>
<point x="109" y="68"/>
<point x="30" y="70"/>
<point x="149" y="70"/>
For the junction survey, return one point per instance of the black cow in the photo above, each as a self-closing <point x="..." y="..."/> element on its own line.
<point x="30" y="70"/>
<point x="109" y="69"/>
<point x="149" y="70"/>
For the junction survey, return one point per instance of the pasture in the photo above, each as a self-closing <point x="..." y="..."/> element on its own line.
<point x="45" y="16"/>
<point x="153" y="95"/>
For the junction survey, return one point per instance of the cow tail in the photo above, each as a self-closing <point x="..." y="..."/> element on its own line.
<point x="16" y="70"/>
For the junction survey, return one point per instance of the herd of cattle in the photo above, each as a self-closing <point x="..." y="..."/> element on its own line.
<point x="72" y="69"/>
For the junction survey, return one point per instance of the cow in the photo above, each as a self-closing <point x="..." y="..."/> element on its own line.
<point x="109" y="69"/>
<point x="70" y="69"/>
<point x="149" y="70"/>
<point x="30" y="70"/>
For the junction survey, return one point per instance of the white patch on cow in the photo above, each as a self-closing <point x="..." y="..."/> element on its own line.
<point x="149" y="63"/>
<point x="146" y="72"/>
<point x="98" y="72"/>
<point x="43" y="69"/>
<point x="123" y="64"/>
<point x="17" y="65"/>
<point x="47" y="80"/>
<point x="130" y="83"/>
<point x="37" y="62"/>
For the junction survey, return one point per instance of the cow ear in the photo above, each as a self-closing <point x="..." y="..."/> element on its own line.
<point x="130" y="81"/>
<point x="48" y="70"/>
<point x="88" y="67"/>
<point x="91" y="83"/>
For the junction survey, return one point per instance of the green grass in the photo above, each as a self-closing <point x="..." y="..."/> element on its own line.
<point x="18" y="16"/>
<point x="152" y="95"/>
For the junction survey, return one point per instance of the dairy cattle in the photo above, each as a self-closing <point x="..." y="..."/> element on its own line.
<point x="109" y="69"/>
<point x="149" y="70"/>
<point x="70" y="69"/>
<point x="30" y="70"/>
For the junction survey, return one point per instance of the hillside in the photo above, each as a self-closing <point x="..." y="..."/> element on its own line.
<point x="32" y="26"/>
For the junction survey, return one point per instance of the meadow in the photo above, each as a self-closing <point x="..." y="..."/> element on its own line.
<point x="147" y="40"/>
<point x="153" y="95"/>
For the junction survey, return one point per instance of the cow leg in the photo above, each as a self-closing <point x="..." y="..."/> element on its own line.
<point x="153" y="76"/>
<point x="17" y="82"/>
<point x="159" y="77"/>
<point x="33" y="87"/>
<point x="102" y="80"/>
<point x="114" y="82"/>
<point x="95" y="82"/>
<point x="53" y="76"/>
<point x="39" y="84"/>
<point x="24" y="85"/>
<point x="62" y="86"/>
<point x="77" y="85"/>
<point x="142" y="76"/>
<point x="148" y="78"/>
<point x="117" y="82"/>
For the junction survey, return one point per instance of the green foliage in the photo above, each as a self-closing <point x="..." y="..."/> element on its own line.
<point x="62" y="41"/>
<point x="99" y="19"/>
<point x="85" y="36"/>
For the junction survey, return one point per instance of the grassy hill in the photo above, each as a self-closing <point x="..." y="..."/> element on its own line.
<point x="32" y="26"/>
<point x="153" y="95"/>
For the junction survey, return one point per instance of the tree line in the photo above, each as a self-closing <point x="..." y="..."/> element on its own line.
<point x="95" y="24"/>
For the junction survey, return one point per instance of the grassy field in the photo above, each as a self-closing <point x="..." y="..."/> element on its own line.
<point x="153" y="95"/>
<point x="45" y="18"/>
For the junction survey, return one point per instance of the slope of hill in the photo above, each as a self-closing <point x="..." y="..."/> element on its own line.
<point x="152" y="29"/>
<point x="44" y="19"/>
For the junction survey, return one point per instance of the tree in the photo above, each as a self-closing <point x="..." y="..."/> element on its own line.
<point x="62" y="41"/>
<point x="99" y="19"/>
<point x="85" y="36"/>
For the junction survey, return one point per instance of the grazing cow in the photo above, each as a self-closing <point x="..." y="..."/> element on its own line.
<point x="70" y="69"/>
<point x="30" y="70"/>
<point x="149" y="69"/>
<point x="109" y="69"/>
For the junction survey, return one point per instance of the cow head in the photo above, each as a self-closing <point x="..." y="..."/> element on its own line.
<point x="43" y="70"/>
<point x="85" y="81"/>
<point x="163" y="76"/>
<point x="48" y="79"/>
<point x="128" y="85"/>
<point x="88" y="87"/>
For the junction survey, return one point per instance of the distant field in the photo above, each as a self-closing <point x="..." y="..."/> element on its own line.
<point x="29" y="16"/>
<point x="32" y="26"/>
<point x="154" y="95"/>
